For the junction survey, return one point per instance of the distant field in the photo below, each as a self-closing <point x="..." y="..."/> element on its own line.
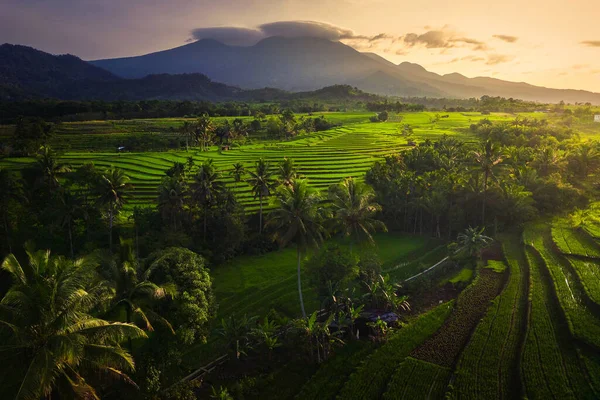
<point x="323" y="158"/>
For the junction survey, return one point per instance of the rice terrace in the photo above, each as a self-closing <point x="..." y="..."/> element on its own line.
<point x="237" y="201"/>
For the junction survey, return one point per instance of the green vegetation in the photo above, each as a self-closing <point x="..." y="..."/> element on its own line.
<point x="443" y="348"/>
<point x="258" y="247"/>
<point x="416" y="379"/>
<point x="488" y="366"/>
<point x="370" y="379"/>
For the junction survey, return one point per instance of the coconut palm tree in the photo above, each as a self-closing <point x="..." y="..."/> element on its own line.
<point x="52" y="346"/>
<point x="298" y="217"/>
<point x="187" y="131"/>
<point x="11" y="193"/>
<point x="206" y="187"/>
<point x="238" y="172"/>
<point x="133" y="288"/>
<point x="355" y="209"/>
<point x="287" y="172"/>
<point x="113" y="192"/>
<point x="68" y="209"/>
<point x="49" y="167"/>
<point x="472" y="241"/>
<point x="203" y="131"/>
<point x="487" y="158"/>
<point x="171" y="200"/>
<point x="262" y="184"/>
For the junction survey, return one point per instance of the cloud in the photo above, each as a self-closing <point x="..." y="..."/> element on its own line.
<point x="307" y="28"/>
<point x="591" y="43"/>
<point x="506" y="38"/>
<point x="495" y="59"/>
<point x="580" y="66"/>
<point x="442" y="39"/>
<point x="240" y="36"/>
<point x="229" y="35"/>
<point x="472" y="58"/>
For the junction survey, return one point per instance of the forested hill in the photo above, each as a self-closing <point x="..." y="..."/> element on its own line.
<point x="27" y="74"/>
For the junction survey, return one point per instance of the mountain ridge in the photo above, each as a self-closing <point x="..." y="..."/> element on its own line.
<point x="305" y="63"/>
<point x="289" y="64"/>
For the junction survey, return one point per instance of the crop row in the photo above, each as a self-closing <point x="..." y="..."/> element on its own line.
<point x="416" y="379"/>
<point x="331" y="375"/>
<point x="588" y="273"/>
<point x="488" y="365"/>
<point x="572" y="242"/>
<point x="370" y="380"/>
<point x="582" y="323"/>
<point x="445" y="346"/>
<point x="549" y="367"/>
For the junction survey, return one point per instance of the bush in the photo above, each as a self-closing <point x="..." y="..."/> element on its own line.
<point x="194" y="306"/>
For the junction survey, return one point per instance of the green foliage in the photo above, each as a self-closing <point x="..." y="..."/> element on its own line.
<point x="416" y="379"/>
<point x="334" y="266"/>
<point x="52" y="344"/>
<point x="472" y="303"/>
<point x="194" y="306"/>
<point x="333" y="373"/>
<point x="582" y="323"/>
<point x="549" y="366"/>
<point x="30" y="134"/>
<point x="370" y="379"/>
<point x="488" y="366"/>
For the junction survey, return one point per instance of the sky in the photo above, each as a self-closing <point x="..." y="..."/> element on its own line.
<point x="551" y="43"/>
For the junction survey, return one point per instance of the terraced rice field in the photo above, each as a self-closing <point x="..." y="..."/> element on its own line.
<point x="323" y="158"/>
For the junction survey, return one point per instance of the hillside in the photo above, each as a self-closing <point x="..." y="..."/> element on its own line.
<point x="306" y="63"/>
<point x="27" y="72"/>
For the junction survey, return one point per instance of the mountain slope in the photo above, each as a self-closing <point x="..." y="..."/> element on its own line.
<point x="306" y="63"/>
<point x="294" y="64"/>
<point x="25" y="71"/>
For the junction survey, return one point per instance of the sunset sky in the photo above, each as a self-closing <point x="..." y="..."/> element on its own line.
<point x="553" y="43"/>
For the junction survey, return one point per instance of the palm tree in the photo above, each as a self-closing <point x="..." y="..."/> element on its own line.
<point x="52" y="344"/>
<point x="238" y="172"/>
<point x="204" y="130"/>
<point x="355" y="208"/>
<point x="11" y="192"/>
<point x="69" y="208"/>
<point x="49" y="167"/>
<point x="113" y="191"/>
<point x="298" y="218"/>
<point x="187" y="131"/>
<point x="171" y="200"/>
<point x="487" y="158"/>
<point x="133" y="288"/>
<point x="287" y="172"/>
<point x="547" y="160"/>
<point x="207" y="187"/>
<point x="585" y="159"/>
<point x="472" y="241"/>
<point x="435" y="202"/>
<point x="262" y="184"/>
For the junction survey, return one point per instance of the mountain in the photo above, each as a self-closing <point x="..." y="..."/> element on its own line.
<point x="306" y="63"/>
<point x="25" y="72"/>
<point x="293" y="64"/>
